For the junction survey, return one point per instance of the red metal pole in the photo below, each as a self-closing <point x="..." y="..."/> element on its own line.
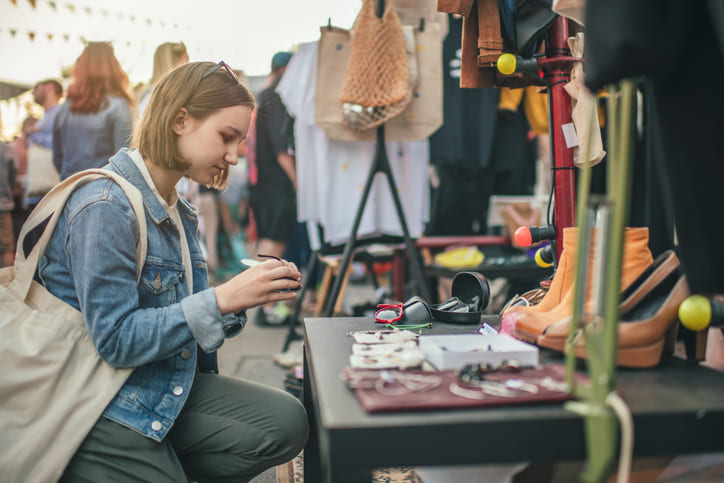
<point x="558" y="74"/>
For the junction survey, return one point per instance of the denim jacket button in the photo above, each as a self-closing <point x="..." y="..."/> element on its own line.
<point x="186" y="354"/>
<point x="156" y="426"/>
<point x="178" y="390"/>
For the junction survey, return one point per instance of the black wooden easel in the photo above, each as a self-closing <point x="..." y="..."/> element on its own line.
<point x="380" y="164"/>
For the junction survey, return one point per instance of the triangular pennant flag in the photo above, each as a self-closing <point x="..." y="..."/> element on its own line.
<point x="88" y="10"/>
<point x="14" y="2"/>
<point x="13" y="32"/>
<point x="49" y="35"/>
<point x="31" y="35"/>
<point x="149" y="21"/>
<point x="33" y="3"/>
<point x="66" y="37"/>
<point x="53" y="5"/>
<point x="71" y="7"/>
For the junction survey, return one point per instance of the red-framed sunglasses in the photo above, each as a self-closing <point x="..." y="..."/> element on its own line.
<point x="388" y="313"/>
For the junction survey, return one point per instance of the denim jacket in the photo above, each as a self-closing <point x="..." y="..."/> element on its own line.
<point x="154" y="326"/>
<point x="86" y="140"/>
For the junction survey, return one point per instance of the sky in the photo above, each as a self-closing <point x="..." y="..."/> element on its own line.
<point x="36" y="43"/>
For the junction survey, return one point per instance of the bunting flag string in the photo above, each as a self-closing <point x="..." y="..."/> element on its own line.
<point x="91" y="10"/>
<point x="32" y="35"/>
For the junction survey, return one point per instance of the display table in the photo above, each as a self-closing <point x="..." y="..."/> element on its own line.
<point x="677" y="408"/>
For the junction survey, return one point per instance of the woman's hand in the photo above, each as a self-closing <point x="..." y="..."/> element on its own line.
<point x="267" y="282"/>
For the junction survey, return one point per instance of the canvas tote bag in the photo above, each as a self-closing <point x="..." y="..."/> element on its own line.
<point x="42" y="175"/>
<point x="53" y="384"/>
<point x="422" y="116"/>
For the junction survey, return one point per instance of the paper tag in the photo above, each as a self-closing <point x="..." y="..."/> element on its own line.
<point x="569" y="134"/>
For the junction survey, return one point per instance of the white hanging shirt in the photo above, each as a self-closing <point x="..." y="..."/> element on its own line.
<point x="331" y="174"/>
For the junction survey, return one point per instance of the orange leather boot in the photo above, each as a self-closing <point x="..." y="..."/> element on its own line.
<point x="665" y="264"/>
<point x="562" y="279"/>
<point x="553" y="326"/>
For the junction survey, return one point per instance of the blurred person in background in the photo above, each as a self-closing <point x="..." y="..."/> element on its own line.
<point x="96" y="120"/>
<point x="8" y="179"/>
<point x="167" y="56"/>
<point x="19" y="146"/>
<point x="41" y="172"/>
<point x="273" y="196"/>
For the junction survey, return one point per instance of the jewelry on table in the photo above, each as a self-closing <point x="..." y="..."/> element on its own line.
<point x="476" y="372"/>
<point x="487" y="388"/>
<point x="382" y="336"/>
<point x="390" y="383"/>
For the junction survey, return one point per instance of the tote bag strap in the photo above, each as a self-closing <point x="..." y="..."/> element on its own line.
<point x="52" y="206"/>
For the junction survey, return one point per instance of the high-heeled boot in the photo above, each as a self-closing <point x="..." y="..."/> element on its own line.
<point x="554" y="336"/>
<point x="554" y="323"/>
<point x="648" y="327"/>
<point x="562" y="279"/>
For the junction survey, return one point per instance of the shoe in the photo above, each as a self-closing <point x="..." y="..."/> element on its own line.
<point x="555" y="335"/>
<point x="648" y="327"/>
<point x="274" y="317"/>
<point x="562" y="280"/>
<point x="530" y="327"/>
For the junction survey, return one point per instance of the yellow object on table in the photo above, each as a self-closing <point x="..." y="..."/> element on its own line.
<point x="463" y="257"/>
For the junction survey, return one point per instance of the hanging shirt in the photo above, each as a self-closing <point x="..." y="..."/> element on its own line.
<point x="331" y="174"/>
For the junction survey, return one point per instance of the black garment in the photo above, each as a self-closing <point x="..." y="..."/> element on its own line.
<point x="273" y="197"/>
<point x="684" y="62"/>
<point x="273" y="136"/>
<point x="690" y="115"/>
<point x="466" y="136"/>
<point x="478" y="151"/>
<point x="460" y="204"/>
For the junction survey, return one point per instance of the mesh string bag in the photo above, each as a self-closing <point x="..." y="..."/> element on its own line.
<point x="375" y="86"/>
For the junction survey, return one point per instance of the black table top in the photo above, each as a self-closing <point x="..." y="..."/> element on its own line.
<point x="677" y="408"/>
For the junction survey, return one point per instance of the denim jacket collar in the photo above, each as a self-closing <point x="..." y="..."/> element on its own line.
<point x="123" y="164"/>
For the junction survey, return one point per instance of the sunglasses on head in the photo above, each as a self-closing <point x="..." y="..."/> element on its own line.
<point x="216" y="67"/>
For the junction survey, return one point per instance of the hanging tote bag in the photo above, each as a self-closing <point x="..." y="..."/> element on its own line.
<point x="422" y="116"/>
<point x="376" y="83"/>
<point x="53" y="385"/>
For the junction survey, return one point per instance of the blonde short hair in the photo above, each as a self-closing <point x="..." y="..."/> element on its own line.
<point x="201" y="95"/>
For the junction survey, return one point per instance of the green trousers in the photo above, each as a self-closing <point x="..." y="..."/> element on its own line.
<point x="230" y="430"/>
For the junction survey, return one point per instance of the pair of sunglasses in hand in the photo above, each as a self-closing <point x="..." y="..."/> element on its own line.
<point x="251" y="262"/>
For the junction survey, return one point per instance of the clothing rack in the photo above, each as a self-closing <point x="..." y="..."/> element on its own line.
<point x="557" y="74"/>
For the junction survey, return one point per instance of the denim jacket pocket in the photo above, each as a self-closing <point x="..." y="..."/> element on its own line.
<point x="161" y="283"/>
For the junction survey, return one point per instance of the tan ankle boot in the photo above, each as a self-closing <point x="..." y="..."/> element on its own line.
<point x="562" y="279"/>
<point x="554" y="325"/>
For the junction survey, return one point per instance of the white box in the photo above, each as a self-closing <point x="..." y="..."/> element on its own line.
<point x="455" y="350"/>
